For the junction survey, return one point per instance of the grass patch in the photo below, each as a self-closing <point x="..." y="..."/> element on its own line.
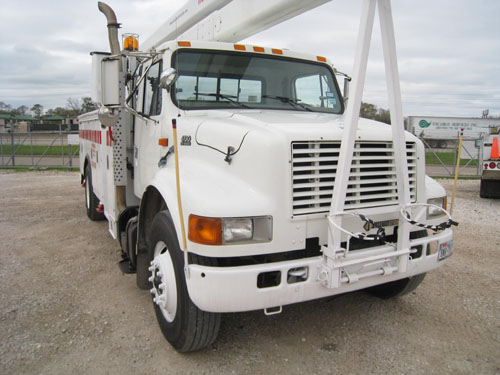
<point x="448" y="158"/>
<point x="26" y="150"/>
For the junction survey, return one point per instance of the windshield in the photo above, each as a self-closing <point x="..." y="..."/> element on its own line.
<point x="224" y="79"/>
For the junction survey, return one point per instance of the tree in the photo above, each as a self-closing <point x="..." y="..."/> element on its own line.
<point x="88" y="105"/>
<point x="74" y="106"/>
<point x="5" y="108"/>
<point x="59" y="111"/>
<point x="368" y="110"/>
<point x="78" y="106"/>
<point x="22" y="110"/>
<point x="37" y="109"/>
<point x="383" y="115"/>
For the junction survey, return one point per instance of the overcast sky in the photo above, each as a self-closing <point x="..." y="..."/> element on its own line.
<point x="448" y="51"/>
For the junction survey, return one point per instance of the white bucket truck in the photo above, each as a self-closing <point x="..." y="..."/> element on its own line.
<point x="215" y="164"/>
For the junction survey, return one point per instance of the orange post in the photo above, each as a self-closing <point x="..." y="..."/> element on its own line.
<point x="178" y="185"/>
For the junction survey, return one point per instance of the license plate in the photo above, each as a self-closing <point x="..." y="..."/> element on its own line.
<point x="445" y="250"/>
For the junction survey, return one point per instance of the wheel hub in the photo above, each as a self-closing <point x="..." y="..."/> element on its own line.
<point x="159" y="288"/>
<point x="162" y="278"/>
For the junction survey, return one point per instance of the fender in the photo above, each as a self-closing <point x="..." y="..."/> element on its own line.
<point x="219" y="197"/>
<point x="159" y="196"/>
<point x="433" y="189"/>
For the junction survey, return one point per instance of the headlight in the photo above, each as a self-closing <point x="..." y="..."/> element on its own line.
<point x="222" y="231"/>
<point x="235" y="230"/>
<point x="433" y="212"/>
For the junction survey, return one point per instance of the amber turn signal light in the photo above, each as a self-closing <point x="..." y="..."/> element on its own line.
<point x="205" y="230"/>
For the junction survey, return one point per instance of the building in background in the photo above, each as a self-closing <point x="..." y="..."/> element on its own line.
<point x="443" y="132"/>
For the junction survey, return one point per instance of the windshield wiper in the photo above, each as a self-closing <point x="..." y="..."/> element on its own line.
<point x="229" y="98"/>
<point x="292" y="102"/>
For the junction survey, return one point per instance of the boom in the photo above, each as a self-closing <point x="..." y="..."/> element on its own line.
<point x="227" y="20"/>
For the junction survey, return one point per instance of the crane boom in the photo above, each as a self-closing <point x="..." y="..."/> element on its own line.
<point x="227" y="20"/>
<point x="191" y="13"/>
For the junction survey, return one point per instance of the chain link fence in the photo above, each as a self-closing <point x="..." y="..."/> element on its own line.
<point x="40" y="149"/>
<point x="441" y="157"/>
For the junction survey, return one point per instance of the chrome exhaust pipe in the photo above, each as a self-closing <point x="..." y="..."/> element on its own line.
<point x="113" y="27"/>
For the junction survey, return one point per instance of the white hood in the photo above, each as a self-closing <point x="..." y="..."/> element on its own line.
<point x="235" y="125"/>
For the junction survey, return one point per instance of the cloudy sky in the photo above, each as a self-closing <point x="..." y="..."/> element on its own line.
<point x="448" y="50"/>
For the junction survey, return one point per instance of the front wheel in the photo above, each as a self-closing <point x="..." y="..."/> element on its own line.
<point x="185" y="327"/>
<point x="399" y="287"/>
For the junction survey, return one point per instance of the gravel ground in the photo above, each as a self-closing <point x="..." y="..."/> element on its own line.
<point x="65" y="308"/>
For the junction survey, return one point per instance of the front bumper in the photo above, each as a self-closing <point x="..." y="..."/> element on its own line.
<point x="233" y="289"/>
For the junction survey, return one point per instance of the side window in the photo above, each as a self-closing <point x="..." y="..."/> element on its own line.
<point x="316" y="91"/>
<point x="138" y="98"/>
<point x="152" y="91"/>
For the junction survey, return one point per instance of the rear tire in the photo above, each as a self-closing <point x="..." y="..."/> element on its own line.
<point x="400" y="287"/>
<point x="489" y="189"/>
<point x="91" y="200"/>
<point x="185" y="326"/>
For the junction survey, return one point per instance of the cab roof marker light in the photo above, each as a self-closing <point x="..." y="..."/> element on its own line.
<point x="184" y="44"/>
<point x="259" y="49"/>
<point x="277" y="51"/>
<point x="321" y="59"/>
<point x="240" y="47"/>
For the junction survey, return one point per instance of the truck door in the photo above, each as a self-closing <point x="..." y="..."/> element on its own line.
<point x="147" y="152"/>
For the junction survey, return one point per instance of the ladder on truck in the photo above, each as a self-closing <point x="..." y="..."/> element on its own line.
<point x="234" y="20"/>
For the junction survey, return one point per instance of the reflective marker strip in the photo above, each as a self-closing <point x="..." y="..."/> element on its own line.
<point x="92" y="136"/>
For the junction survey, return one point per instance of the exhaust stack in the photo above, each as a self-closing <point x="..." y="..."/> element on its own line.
<point x="113" y="27"/>
<point x="114" y="44"/>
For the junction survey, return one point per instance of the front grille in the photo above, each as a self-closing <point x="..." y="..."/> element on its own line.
<point x="372" y="180"/>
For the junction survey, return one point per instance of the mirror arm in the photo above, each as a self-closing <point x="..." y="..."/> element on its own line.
<point x="143" y="116"/>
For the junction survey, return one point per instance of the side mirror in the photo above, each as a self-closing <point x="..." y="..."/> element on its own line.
<point x="108" y="117"/>
<point x="167" y="78"/>
<point x="347" y="81"/>
<point x="110" y="82"/>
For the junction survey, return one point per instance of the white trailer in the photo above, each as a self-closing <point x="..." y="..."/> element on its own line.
<point x="442" y="132"/>
<point x="215" y="164"/>
<point x="490" y="164"/>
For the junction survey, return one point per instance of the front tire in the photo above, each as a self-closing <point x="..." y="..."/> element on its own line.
<point x="185" y="327"/>
<point x="397" y="288"/>
<point x="400" y="287"/>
